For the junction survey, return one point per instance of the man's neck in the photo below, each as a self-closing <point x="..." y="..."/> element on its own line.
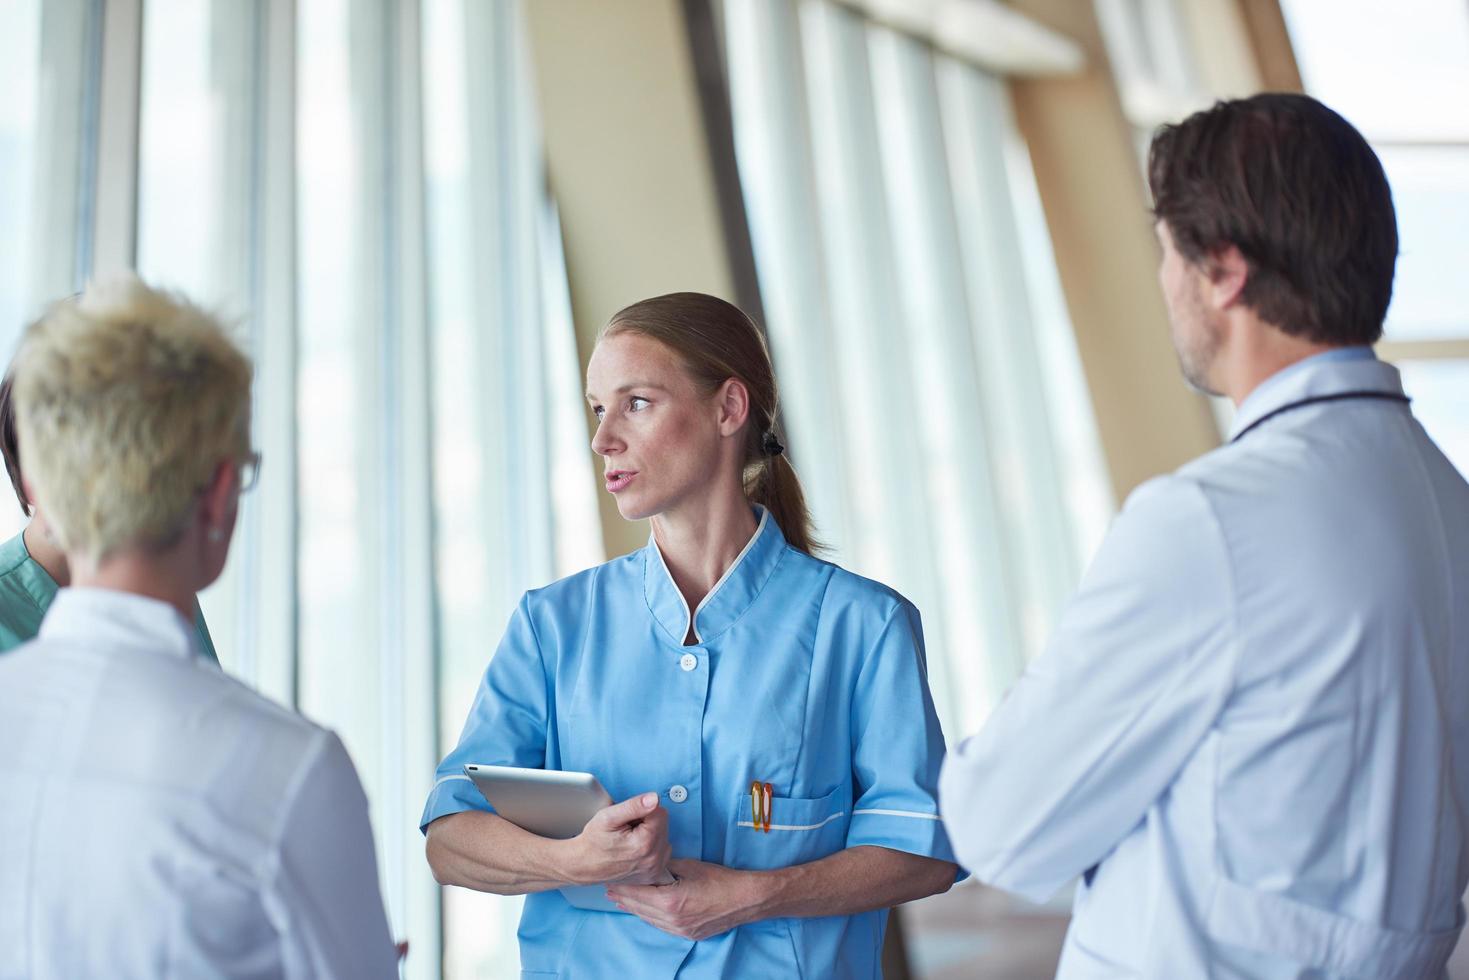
<point x="1259" y="352"/>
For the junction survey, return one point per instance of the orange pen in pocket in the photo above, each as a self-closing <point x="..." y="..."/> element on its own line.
<point x="760" y="802"/>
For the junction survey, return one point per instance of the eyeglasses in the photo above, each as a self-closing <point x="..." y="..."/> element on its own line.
<point x="249" y="467"/>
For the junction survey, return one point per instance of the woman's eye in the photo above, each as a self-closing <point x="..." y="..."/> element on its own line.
<point x="599" y="411"/>
<point x="637" y="404"/>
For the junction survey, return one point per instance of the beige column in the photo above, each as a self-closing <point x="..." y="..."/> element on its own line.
<point x="1275" y="60"/>
<point x="628" y="163"/>
<point x="1096" y="207"/>
<point x="1241" y="47"/>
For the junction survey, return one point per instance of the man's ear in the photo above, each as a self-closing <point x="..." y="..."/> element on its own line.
<point x="734" y="406"/>
<point x="1228" y="271"/>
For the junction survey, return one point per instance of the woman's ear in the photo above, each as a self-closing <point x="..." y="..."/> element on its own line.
<point x="734" y="406"/>
<point x="217" y="502"/>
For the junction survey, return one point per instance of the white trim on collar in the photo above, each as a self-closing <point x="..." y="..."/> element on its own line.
<point x="691" y="619"/>
<point x="759" y="530"/>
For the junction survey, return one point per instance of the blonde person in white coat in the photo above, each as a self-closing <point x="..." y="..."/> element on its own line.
<point x="157" y="817"/>
<point x="1249" y="737"/>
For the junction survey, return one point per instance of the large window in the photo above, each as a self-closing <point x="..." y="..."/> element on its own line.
<point x="1400" y="73"/>
<point x="49" y="74"/>
<point x="514" y="503"/>
<point x="357" y="185"/>
<point x="933" y="398"/>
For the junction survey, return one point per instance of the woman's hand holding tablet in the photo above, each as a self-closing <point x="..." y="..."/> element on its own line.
<point x="591" y="842"/>
<point x="626" y="843"/>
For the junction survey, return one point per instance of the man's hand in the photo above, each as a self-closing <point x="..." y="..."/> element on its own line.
<point x="706" y="900"/>
<point x="626" y="842"/>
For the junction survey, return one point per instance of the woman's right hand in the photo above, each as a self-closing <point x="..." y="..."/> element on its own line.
<point x="626" y="842"/>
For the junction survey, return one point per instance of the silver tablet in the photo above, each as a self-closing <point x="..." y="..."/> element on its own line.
<point x="549" y="803"/>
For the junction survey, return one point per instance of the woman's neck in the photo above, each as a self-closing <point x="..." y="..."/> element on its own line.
<point x="152" y="576"/>
<point x="699" y="544"/>
<point x="43" y="552"/>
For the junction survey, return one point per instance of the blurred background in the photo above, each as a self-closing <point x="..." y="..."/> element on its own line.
<point x="419" y="212"/>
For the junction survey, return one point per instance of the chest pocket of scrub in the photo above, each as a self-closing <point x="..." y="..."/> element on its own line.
<point x="801" y="830"/>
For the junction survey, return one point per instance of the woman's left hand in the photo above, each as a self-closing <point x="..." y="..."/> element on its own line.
<point x="706" y="900"/>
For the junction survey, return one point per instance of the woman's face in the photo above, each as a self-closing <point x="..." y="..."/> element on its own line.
<point x="658" y="435"/>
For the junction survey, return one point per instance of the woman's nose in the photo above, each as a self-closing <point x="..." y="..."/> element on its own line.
<point x="605" y="441"/>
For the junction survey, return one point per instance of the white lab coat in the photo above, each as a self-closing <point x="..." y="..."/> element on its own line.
<point x="160" y="819"/>
<point x="1250" y="733"/>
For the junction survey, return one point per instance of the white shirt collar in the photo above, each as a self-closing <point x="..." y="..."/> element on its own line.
<point x="117" y="619"/>
<point x="1312" y="378"/>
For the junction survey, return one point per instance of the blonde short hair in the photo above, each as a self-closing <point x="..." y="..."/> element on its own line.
<point x="127" y="399"/>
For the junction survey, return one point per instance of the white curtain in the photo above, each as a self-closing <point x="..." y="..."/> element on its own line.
<point x="931" y="388"/>
<point x="358" y="185"/>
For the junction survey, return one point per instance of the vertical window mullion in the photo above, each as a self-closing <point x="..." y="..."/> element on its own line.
<point x="523" y="190"/>
<point x="576" y="521"/>
<point x="387" y="455"/>
<point x="273" y="580"/>
<point x="410" y="648"/>
<point x="63" y="186"/>
<point x="115" y="219"/>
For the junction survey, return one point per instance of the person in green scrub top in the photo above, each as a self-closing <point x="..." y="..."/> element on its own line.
<point x="32" y="568"/>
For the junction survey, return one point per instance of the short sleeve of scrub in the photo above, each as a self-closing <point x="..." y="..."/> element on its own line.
<point x="506" y="725"/>
<point x="898" y="746"/>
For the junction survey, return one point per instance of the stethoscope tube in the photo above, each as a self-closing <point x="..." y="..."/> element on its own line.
<point x="1386" y="396"/>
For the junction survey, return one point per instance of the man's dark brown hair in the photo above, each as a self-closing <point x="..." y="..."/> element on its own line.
<point x="9" y="447"/>
<point x="1302" y="196"/>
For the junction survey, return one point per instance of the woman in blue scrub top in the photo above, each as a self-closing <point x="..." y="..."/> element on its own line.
<point x="722" y="653"/>
<point x="32" y="568"/>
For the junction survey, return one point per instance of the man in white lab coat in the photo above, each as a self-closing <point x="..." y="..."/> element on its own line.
<point x="1249" y="736"/>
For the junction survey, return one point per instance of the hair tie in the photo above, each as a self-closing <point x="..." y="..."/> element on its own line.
<point x="770" y="444"/>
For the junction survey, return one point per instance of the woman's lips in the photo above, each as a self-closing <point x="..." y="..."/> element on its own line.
<point x="619" y="479"/>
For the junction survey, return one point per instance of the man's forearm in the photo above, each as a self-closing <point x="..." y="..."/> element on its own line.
<point x="856" y="880"/>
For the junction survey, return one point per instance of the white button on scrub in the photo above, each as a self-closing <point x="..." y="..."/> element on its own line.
<point x="678" y="794"/>
<point x="688" y="661"/>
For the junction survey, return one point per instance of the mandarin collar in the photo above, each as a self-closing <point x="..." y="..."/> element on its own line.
<point x="116" y="619"/>
<point x="731" y="596"/>
<point x="1314" y="378"/>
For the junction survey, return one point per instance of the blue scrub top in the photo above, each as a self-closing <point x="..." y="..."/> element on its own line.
<point x="803" y="675"/>
<point x="26" y="591"/>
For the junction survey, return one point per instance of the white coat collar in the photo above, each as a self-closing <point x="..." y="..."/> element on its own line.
<point x="1313" y="379"/>
<point x="117" y="619"/>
